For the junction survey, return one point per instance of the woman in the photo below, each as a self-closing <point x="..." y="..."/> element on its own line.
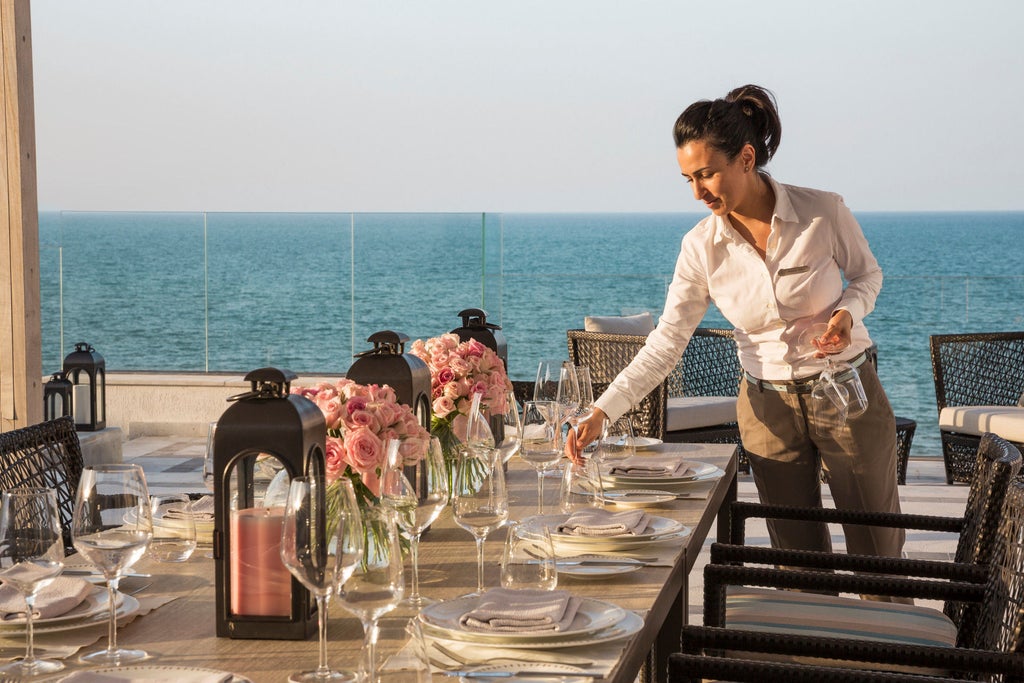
<point x="773" y="259"/>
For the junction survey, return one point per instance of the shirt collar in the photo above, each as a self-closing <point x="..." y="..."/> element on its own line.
<point x="784" y="212"/>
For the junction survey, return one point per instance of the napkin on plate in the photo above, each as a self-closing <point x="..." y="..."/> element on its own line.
<point x="154" y="675"/>
<point x="650" y="467"/>
<point x="202" y="510"/>
<point x="522" y="610"/>
<point x="599" y="522"/>
<point x="59" y="597"/>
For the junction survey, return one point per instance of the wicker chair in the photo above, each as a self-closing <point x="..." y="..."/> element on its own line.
<point x="989" y="649"/>
<point x="982" y="369"/>
<point x="47" y="455"/>
<point x="709" y="367"/>
<point x="997" y="465"/>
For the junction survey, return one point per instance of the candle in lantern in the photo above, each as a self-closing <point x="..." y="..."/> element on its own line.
<point x="260" y="583"/>
<point x="83" y="408"/>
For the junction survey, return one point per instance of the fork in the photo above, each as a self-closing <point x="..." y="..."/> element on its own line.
<point x="532" y="656"/>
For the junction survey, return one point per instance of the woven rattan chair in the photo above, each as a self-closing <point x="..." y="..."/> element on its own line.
<point x="47" y="455"/>
<point x="998" y="463"/>
<point x="982" y="369"/>
<point x="990" y="648"/>
<point x="709" y="367"/>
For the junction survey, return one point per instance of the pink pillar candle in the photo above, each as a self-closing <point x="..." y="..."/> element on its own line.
<point x="260" y="583"/>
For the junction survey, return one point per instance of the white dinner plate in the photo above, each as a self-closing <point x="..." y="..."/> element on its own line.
<point x="702" y="472"/>
<point x="443" y="618"/>
<point x="599" y="570"/>
<point x="630" y="623"/>
<point x="178" y="674"/>
<point x="656" y="528"/>
<point x="639" y="442"/>
<point x="128" y="607"/>
<point x="94" y="603"/>
<point x="635" y="498"/>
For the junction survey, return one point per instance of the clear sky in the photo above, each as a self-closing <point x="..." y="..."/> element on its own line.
<point x="524" y="105"/>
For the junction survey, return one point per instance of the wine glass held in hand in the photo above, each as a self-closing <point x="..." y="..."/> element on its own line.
<point x="307" y="553"/>
<point x="541" y="441"/>
<point x="415" y="511"/>
<point x="480" y="501"/>
<point x="111" y="527"/>
<point x="31" y="557"/>
<point x="377" y="584"/>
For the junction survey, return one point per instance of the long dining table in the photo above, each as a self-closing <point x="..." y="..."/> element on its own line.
<point x="181" y="632"/>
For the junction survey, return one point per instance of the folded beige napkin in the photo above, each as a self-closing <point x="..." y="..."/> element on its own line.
<point x="522" y="610"/>
<point x="645" y="466"/>
<point x="202" y="510"/>
<point x="59" y="597"/>
<point x="170" y="675"/>
<point x="600" y="522"/>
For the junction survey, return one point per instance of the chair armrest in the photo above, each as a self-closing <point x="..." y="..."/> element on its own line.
<point x="722" y="553"/>
<point x="718" y="577"/>
<point x="696" y="639"/>
<point x="741" y="511"/>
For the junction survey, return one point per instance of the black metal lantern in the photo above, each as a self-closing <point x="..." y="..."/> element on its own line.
<point x="388" y="363"/>
<point x="56" y="397"/>
<point x="475" y="326"/>
<point x="87" y="372"/>
<point x="263" y="440"/>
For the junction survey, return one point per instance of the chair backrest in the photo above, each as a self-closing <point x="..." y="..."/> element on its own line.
<point x="710" y="365"/>
<point x="48" y="455"/>
<point x="606" y="355"/>
<point x="998" y="463"/>
<point x="980" y="369"/>
<point x="1000" y="626"/>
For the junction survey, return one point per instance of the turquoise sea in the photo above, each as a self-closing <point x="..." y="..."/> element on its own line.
<point x="235" y="291"/>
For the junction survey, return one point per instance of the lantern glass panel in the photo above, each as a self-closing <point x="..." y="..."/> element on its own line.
<point x="82" y="401"/>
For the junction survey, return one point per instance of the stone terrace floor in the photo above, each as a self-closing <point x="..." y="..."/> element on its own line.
<point x="174" y="464"/>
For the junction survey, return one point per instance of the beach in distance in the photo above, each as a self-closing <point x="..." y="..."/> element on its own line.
<point x="303" y="291"/>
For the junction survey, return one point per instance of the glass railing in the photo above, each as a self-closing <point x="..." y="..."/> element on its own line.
<point x="213" y="292"/>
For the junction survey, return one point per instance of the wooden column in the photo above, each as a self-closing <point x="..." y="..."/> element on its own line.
<point x="21" y="392"/>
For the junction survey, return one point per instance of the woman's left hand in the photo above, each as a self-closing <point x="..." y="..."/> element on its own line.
<point x="837" y="336"/>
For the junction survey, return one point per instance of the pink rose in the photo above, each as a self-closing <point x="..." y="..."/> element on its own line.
<point x="442" y="406"/>
<point x="365" y="449"/>
<point x="460" y="367"/>
<point x="335" y="458"/>
<point x="445" y="376"/>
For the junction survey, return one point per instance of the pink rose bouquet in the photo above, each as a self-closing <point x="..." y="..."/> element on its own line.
<point x="360" y="420"/>
<point x="457" y="371"/>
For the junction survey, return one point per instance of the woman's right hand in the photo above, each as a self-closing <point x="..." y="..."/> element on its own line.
<point x="588" y="428"/>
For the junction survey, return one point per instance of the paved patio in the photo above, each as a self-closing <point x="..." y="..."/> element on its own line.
<point x="175" y="464"/>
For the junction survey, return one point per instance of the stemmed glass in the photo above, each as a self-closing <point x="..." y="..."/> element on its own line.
<point x="111" y="527"/>
<point x="512" y="424"/>
<point x="377" y="585"/>
<point x="480" y="500"/>
<point x="208" y="476"/>
<point x="478" y="431"/>
<point x="540" y="441"/>
<point x="568" y="395"/>
<point x="306" y="551"/>
<point x="586" y="390"/>
<point x="415" y="511"/>
<point x="847" y="396"/>
<point x="31" y="556"/>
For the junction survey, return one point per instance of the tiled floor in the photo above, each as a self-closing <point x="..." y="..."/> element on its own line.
<point x="174" y="464"/>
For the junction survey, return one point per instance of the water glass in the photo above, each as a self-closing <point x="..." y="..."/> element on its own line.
<point x="618" y="440"/>
<point x="581" y="486"/>
<point x="31" y="557"/>
<point x="529" y="559"/>
<point x="174" y="527"/>
<point x="400" y="653"/>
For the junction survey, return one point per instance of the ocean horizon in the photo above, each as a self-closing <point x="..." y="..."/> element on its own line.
<point x="230" y="292"/>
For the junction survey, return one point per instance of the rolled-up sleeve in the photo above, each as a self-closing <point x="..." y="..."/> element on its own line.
<point x="859" y="266"/>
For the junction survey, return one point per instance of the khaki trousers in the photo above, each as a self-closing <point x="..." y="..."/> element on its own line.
<point x="788" y="458"/>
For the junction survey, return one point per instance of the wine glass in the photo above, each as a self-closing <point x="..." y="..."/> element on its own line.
<point x="847" y="395"/>
<point x="208" y="476"/>
<point x="540" y="442"/>
<point x="478" y="431"/>
<point x="586" y="389"/>
<point x="528" y="560"/>
<point x="480" y="501"/>
<point x="568" y="393"/>
<point x="415" y="510"/>
<point x="111" y="527"/>
<point x="306" y="551"/>
<point x="512" y="425"/>
<point x="31" y="557"/>
<point x="548" y="374"/>
<point x="378" y="583"/>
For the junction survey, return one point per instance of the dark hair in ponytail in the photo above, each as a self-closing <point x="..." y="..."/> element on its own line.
<point x="748" y="114"/>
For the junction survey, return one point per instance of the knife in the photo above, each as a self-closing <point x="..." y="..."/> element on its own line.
<point x="534" y="674"/>
<point x="83" y="571"/>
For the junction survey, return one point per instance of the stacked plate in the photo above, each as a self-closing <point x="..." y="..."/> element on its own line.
<point x="596" y="621"/>
<point x="693" y="472"/>
<point x="658" y="529"/>
<point x="91" y="611"/>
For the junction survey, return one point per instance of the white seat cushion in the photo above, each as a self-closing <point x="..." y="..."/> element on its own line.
<point x="642" y="323"/>
<point x="1004" y="421"/>
<point x="692" y="412"/>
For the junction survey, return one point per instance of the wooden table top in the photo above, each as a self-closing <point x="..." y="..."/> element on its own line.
<point x="182" y="632"/>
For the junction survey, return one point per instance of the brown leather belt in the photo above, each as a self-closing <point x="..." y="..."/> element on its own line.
<point x="804" y="386"/>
